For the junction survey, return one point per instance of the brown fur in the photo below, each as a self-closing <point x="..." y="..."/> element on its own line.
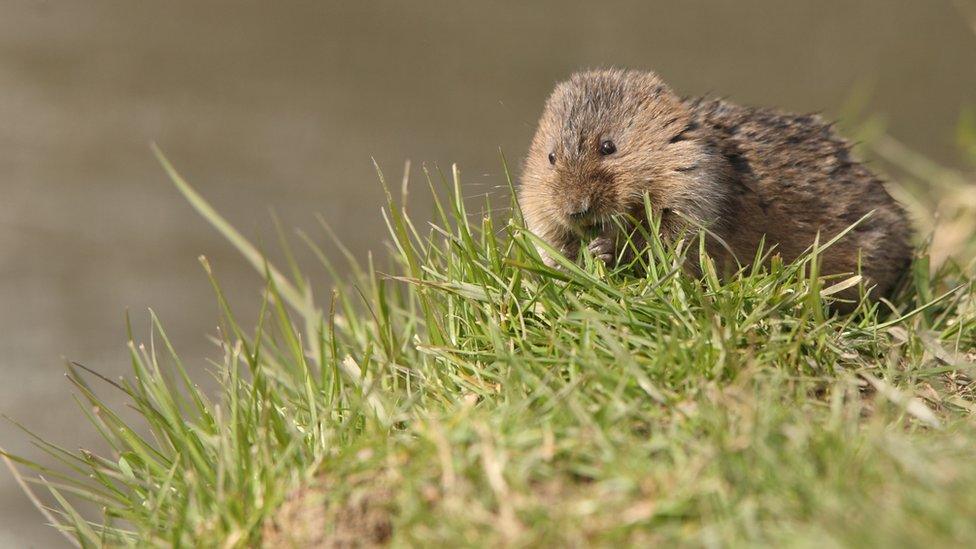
<point x="742" y="172"/>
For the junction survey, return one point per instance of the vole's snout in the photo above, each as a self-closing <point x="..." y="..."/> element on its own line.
<point x="586" y="199"/>
<point x="582" y="213"/>
<point x="579" y="210"/>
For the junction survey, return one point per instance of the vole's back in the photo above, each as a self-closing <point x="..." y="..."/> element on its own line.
<point x="791" y="176"/>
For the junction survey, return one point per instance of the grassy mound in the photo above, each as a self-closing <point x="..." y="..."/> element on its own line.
<point x="469" y="395"/>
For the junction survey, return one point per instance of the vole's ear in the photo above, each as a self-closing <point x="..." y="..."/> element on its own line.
<point x="685" y="133"/>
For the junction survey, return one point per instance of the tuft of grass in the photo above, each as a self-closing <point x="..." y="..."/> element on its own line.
<point x="466" y="394"/>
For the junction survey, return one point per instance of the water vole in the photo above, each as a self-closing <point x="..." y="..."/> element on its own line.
<point x="607" y="138"/>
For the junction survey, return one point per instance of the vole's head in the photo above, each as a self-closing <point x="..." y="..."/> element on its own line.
<point x="605" y="140"/>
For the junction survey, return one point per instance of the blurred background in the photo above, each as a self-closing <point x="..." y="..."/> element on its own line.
<point x="281" y="106"/>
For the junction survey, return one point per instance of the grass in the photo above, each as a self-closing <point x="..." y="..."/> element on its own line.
<point x="465" y="394"/>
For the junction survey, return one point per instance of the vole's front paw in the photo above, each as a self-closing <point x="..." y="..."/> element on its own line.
<point x="603" y="248"/>
<point x="570" y="250"/>
<point x="548" y="261"/>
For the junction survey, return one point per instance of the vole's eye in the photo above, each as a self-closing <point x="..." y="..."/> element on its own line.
<point x="552" y="158"/>
<point x="607" y="147"/>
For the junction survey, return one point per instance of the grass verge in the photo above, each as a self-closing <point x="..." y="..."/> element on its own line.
<point x="468" y="395"/>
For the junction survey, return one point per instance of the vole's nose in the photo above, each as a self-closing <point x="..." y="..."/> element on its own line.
<point x="579" y="214"/>
<point x="579" y="210"/>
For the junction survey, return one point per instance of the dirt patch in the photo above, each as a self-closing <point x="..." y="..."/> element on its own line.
<point x="319" y="516"/>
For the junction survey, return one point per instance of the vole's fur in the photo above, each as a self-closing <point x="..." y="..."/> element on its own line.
<point x="744" y="173"/>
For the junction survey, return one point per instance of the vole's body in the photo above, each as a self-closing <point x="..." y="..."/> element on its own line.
<point x="744" y="173"/>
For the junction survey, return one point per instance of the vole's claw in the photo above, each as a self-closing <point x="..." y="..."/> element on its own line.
<point x="602" y="248"/>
